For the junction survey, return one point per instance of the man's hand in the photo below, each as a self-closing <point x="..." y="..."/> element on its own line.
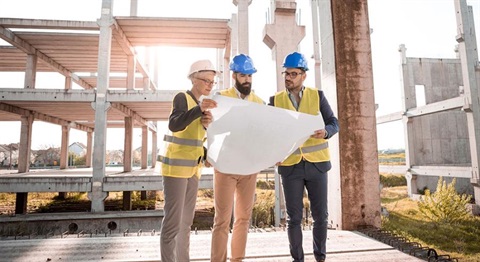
<point x="322" y="133"/>
<point x="206" y="118"/>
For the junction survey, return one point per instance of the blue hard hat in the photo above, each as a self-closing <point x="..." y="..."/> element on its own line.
<point x="295" y="60"/>
<point x="242" y="64"/>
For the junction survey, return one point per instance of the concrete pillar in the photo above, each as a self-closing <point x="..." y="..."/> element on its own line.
<point x="25" y="144"/>
<point x="127" y="200"/>
<point x="97" y="195"/>
<point x="408" y="101"/>
<point x="88" y="156"/>
<point x="360" y="180"/>
<point x="283" y="36"/>
<point x="133" y="7"/>
<point x="316" y="43"/>
<point x="68" y="83"/>
<point x="144" y="147"/>
<point x="143" y="194"/>
<point x="469" y="56"/>
<point x="131" y="69"/>
<point x="127" y="159"/>
<point x="64" y="147"/>
<point x="31" y="71"/>
<point x="21" y="203"/>
<point x="128" y="144"/>
<point x="154" y="148"/>
<point x="242" y="25"/>
<point x="329" y="84"/>
<point x="146" y="81"/>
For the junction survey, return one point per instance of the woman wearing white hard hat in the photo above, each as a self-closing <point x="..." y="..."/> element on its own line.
<point x="183" y="160"/>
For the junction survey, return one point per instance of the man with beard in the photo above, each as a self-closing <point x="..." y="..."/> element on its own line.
<point x="230" y="188"/>
<point x="307" y="167"/>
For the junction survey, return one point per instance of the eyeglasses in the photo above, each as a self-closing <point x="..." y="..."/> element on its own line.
<point x="206" y="81"/>
<point x="292" y="75"/>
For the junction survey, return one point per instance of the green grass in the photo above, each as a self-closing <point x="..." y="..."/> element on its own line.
<point x="391" y="159"/>
<point x="460" y="240"/>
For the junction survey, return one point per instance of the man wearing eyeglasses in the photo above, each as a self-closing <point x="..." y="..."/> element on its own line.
<point x="182" y="161"/>
<point x="232" y="187"/>
<point x="307" y="167"/>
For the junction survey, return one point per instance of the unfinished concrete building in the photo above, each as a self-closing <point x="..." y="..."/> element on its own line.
<point x="342" y="43"/>
<point x="441" y="115"/>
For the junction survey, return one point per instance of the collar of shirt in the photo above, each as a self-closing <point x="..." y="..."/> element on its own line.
<point x="292" y="96"/>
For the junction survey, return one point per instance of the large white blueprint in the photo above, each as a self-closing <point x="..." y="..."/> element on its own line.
<point x="246" y="137"/>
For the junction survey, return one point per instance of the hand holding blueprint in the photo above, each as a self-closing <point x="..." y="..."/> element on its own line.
<point x="246" y="138"/>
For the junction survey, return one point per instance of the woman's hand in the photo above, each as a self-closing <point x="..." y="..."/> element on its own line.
<point x="206" y="118"/>
<point x="207" y="104"/>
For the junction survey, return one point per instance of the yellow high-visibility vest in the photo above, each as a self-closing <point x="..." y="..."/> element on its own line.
<point x="314" y="149"/>
<point x="184" y="149"/>
<point x="230" y="92"/>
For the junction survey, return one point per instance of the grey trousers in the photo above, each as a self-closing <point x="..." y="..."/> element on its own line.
<point x="179" y="210"/>
<point x="295" y="179"/>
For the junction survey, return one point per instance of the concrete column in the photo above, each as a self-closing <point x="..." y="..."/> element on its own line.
<point x="68" y="83"/>
<point x="283" y="36"/>
<point x="143" y="194"/>
<point x="316" y="43"/>
<point x="408" y="102"/>
<point x="97" y="195"/>
<point x="64" y="147"/>
<point x="242" y="25"/>
<point x="146" y="81"/>
<point x="21" y="203"/>
<point x="88" y="156"/>
<point x="31" y="71"/>
<point x="469" y="57"/>
<point x="127" y="200"/>
<point x="127" y="159"/>
<point x="360" y="192"/>
<point x="25" y="144"/>
<point x="128" y="144"/>
<point x="131" y="68"/>
<point x="154" y="148"/>
<point x="133" y="7"/>
<point x="329" y="84"/>
<point x="144" y="147"/>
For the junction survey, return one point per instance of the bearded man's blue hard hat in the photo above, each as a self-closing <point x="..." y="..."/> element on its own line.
<point x="242" y="64"/>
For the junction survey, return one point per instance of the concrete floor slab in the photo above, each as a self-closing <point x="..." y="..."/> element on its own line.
<point x="265" y="246"/>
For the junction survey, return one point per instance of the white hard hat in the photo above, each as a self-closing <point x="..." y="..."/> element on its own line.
<point x="202" y="65"/>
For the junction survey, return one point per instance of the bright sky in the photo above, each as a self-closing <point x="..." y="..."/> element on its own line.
<point x="426" y="27"/>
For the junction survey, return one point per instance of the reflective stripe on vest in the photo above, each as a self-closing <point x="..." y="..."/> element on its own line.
<point x="310" y="149"/>
<point x="182" y="141"/>
<point x="177" y="162"/>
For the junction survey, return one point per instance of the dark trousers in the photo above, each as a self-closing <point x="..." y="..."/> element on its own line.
<point x="313" y="178"/>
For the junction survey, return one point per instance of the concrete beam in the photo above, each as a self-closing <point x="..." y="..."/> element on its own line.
<point x="48" y="24"/>
<point x="129" y="50"/>
<point x="42" y="184"/>
<point x="43" y="117"/>
<point x="442" y="171"/>
<point x="24" y="46"/>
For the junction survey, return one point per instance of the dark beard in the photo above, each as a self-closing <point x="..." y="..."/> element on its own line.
<point x="244" y="89"/>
